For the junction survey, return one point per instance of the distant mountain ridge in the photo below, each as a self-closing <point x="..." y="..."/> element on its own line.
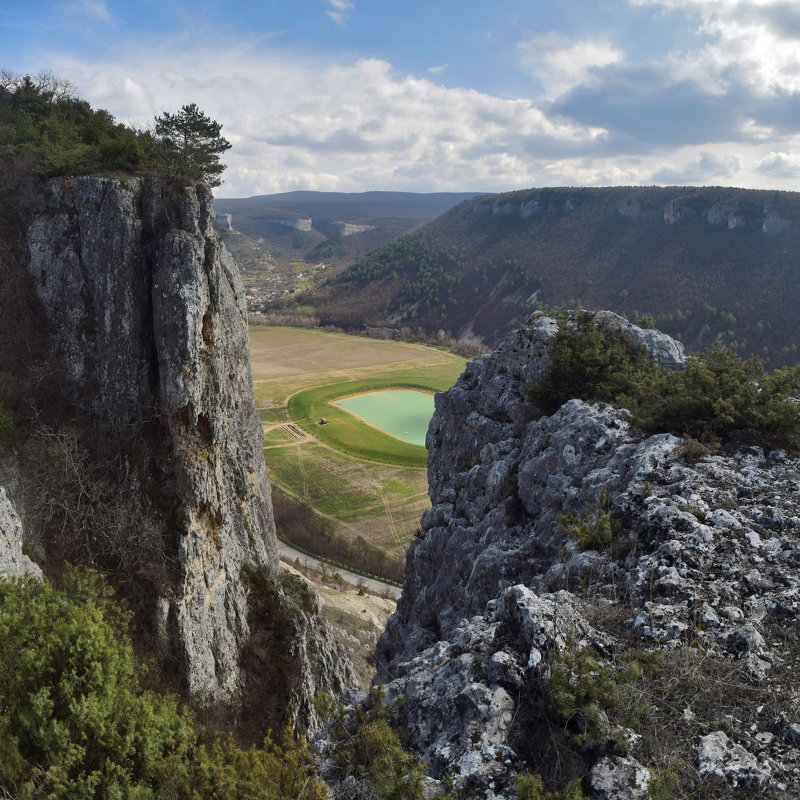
<point x="331" y="227"/>
<point x="349" y="206"/>
<point x="709" y="264"/>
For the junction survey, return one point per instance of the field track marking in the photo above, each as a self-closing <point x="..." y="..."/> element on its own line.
<point x="382" y="502"/>
<point x="305" y="497"/>
<point x="377" y="488"/>
<point x="356" y="531"/>
<point x="301" y="465"/>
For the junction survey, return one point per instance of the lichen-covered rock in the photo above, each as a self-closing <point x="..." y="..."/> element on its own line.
<point x="717" y="754"/>
<point x="150" y="330"/>
<point x="460" y="696"/>
<point x="704" y="559"/>
<point x="619" y="778"/>
<point x="13" y="562"/>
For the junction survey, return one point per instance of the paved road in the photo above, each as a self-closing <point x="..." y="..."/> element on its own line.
<point x="289" y="555"/>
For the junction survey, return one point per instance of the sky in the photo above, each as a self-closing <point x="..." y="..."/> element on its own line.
<point x="444" y="95"/>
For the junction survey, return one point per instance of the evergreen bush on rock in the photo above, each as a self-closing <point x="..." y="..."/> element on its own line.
<point x="715" y="394"/>
<point x="76" y="721"/>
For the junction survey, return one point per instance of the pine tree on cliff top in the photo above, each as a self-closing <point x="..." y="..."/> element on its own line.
<point x="190" y="146"/>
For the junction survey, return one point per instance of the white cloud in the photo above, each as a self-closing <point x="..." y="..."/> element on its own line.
<point x="706" y="168"/>
<point x="340" y="10"/>
<point x="299" y="124"/>
<point x="779" y="165"/>
<point x="94" y="9"/>
<point x="333" y="126"/>
<point x="139" y="99"/>
<point x="752" y="42"/>
<point x="560" y="63"/>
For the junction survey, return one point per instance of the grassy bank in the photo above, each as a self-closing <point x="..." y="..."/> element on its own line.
<point x="347" y="433"/>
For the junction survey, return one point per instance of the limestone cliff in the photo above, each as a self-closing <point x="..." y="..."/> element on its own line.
<point x="509" y="639"/>
<point x="149" y="328"/>
<point x="13" y="562"/>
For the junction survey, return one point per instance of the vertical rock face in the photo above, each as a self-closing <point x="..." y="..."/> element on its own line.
<point x="149" y="327"/>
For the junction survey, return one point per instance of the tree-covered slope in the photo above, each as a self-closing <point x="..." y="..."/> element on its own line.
<point x="707" y="263"/>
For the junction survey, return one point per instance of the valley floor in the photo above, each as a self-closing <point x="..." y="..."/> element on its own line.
<point x="379" y="502"/>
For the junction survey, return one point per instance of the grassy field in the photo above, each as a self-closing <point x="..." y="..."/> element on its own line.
<point x="365" y="482"/>
<point x="346" y="432"/>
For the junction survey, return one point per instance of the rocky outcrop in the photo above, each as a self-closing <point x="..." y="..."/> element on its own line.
<point x="352" y="228"/>
<point x="293" y="655"/>
<point x="502" y="611"/>
<point x="149" y="328"/>
<point x="13" y="562"/>
<point x="298" y="223"/>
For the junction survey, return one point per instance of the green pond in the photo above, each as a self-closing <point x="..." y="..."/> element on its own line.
<point x="402" y="413"/>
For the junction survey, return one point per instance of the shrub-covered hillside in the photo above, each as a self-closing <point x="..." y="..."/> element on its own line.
<point x="708" y="264"/>
<point x="77" y="720"/>
<point x="717" y="393"/>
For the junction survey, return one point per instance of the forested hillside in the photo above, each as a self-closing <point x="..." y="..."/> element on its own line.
<point x="708" y="264"/>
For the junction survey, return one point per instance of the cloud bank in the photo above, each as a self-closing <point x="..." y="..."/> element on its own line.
<point x="726" y="110"/>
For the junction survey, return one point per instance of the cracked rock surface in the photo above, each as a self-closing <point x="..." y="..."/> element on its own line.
<point x="150" y="331"/>
<point x="13" y="562"/>
<point x="704" y="567"/>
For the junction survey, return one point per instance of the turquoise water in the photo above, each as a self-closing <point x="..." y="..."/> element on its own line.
<point x="402" y="413"/>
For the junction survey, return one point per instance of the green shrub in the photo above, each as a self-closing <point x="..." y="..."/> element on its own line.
<point x="717" y="392"/>
<point x="43" y="125"/>
<point x="75" y="721"/>
<point x="694" y="449"/>
<point x="529" y="786"/>
<point x="591" y="362"/>
<point x="593" y="529"/>
<point x="585" y="690"/>
<point x="368" y="747"/>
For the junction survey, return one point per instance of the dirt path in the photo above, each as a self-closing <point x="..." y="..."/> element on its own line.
<point x="290" y="555"/>
<point x="375" y="485"/>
